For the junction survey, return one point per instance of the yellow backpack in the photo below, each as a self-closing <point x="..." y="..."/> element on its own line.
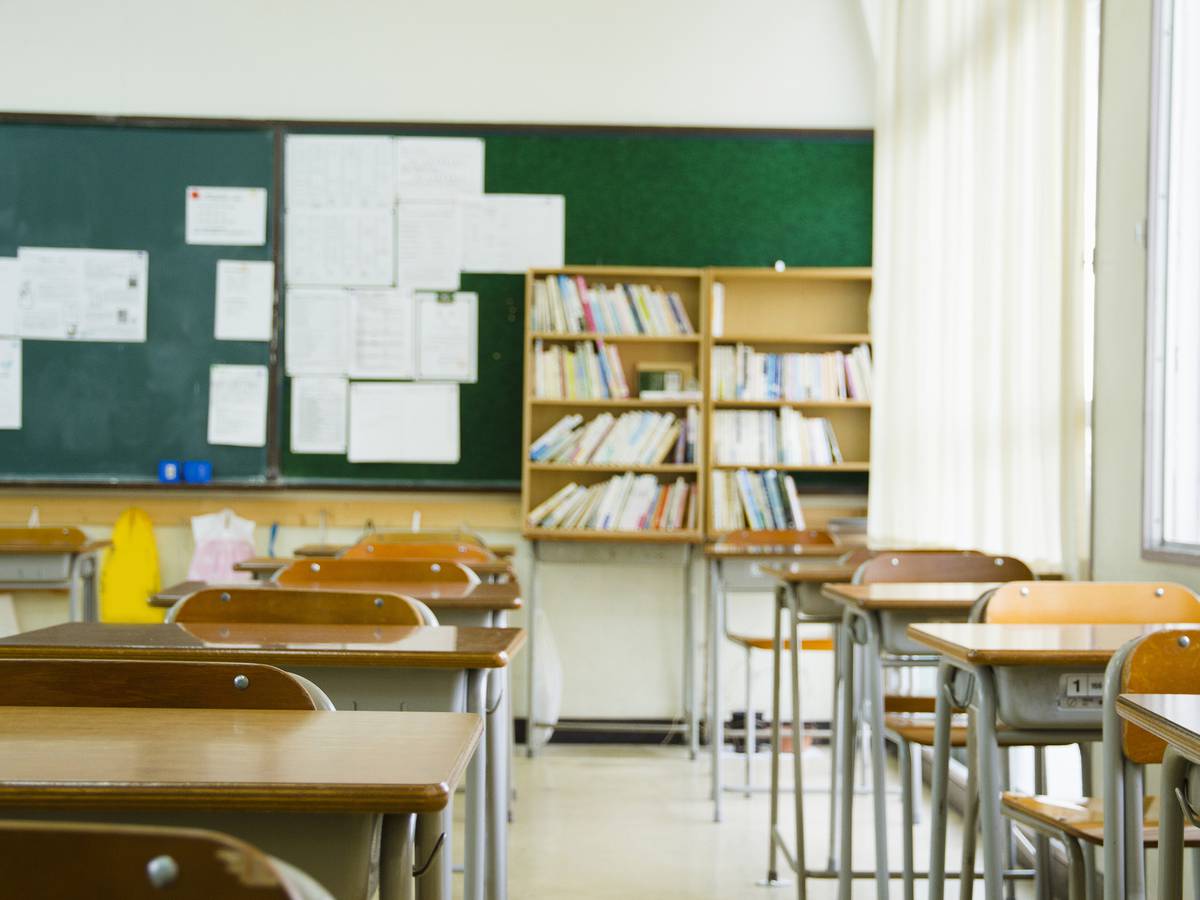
<point x="130" y="573"/>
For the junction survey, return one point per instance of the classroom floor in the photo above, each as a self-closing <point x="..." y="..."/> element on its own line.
<point x="635" y="822"/>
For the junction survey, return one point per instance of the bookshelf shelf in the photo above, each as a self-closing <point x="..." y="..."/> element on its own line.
<point x="660" y="469"/>
<point x="786" y="467"/>
<point x="798" y="340"/>
<point x="791" y="404"/>
<point x="617" y="338"/>
<point x="630" y="403"/>
<point x="629" y="537"/>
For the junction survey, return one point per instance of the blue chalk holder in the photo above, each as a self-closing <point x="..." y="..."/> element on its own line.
<point x="169" y="471"/>
<point x="197" y="471"/>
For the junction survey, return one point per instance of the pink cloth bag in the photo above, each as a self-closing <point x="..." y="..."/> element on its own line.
<point x="222" y="539"/>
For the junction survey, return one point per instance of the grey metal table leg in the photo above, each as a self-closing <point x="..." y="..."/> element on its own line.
<point x="689" y="657"/>
<point x="874" y="677"/>
<point x="906" y="814"/>
<point x="432" y="856"/>
<point x="496" y="885"/>
<point x="716" y="727"/>
<point x="970" y="826"/>
<point x="797" y="748"/>
<point x="849" y="726"/>
<point x="396" y="859"/>
<point x="531" y="596"/>
<point x="835" y="743"/>
<point x="751" y="723"/>
<point x="1170" y="826"/>
<point x="475" y="863"/>
<point x="988" y="762"/>
<point x="776" y="670"/>
<point x="940" y="781"/>
<point x="1042" y="842"/>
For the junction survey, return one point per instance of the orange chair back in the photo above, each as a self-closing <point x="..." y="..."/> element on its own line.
<point x="42" y="537"/>
<point x="1165" y="662"/>
<point x="345" y="572"/>
<point x="1091" y="602"/>
<point x="296" y="607"/>
<point x="919" y="567"/>
<point x="464" y="553"/>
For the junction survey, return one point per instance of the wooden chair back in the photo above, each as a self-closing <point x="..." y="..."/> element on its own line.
<point x="446" y="550"/>
<point x="860" y="555"/>
<point x="780" y="537"/>
<point x="329" y="572"/>
<point x="41" y="537"/>
<point x="1091" y="602"/>
<point x="296" y="607"/>
<point x="151" y="684"/>
<point x="448" y="536"/>
<point x="1165" y="662"/>
<point x="917" y="567"/>
<point x="49" y="860"/>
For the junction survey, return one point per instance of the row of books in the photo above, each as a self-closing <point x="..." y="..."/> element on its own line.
<point x="757" y="437"/>
<point x="740" y="373"/>
<point x="631" y="439"/>
<point x="755" y="500"/>
<point x="590" y="371"/>
<point x="564" y="304"/>
<point x="625" y="502"/>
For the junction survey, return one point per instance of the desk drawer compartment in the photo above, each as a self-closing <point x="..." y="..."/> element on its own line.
<point x="1042" y="697"/>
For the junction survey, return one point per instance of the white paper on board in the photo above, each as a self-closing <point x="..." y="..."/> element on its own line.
<point x="382" y="334"/>
<point x="82" y="294"/>
<point x="316" y="333"/>
<point x="319" y="414"/>
<point x="438" y="167"/>
<point x="229" y="216"/>
<point x="341" y="247"/>
<point x="448" y="337"/>
<point x="237" y="405"/>
<point x="403" y="422"/>
<point x="10" y="284"/>
<point x="10" y="383"/>
<point x="339" y="171"/>
<point x="429" y="244"/>
<point x="245" y="300"/>
<point x="513" y="232"/>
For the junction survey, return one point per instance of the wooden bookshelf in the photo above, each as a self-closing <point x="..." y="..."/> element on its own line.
<point x="539" y="481"/>
<point x="796" y="310"/>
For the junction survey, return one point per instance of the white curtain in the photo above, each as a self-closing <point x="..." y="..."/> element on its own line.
<point x="981" y="304"/>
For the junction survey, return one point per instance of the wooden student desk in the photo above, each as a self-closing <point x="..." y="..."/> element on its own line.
<point x="264" y="568"/>
<point x="1174" y="719"/>
<point x="280" y="779"/>
<point x="359" y="667"/>
<point x="42" y="563"/>
<point x="738" y="567"/>
<point x="1022" y="676"/>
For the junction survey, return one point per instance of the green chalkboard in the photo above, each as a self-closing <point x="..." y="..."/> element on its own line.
<point x="100" y="411"/>
<point x="653" y="198"/>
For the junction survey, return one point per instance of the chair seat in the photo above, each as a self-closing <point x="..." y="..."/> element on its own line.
<point x="1083" y="817"/>
<point x="765" y="643"/>
<point x="917" y="728"/>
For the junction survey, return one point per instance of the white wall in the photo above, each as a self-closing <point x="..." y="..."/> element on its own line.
<point x="786" y="63"/>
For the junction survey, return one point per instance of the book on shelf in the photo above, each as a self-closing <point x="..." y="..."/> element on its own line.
<point x="638" y="438"/>
<point x="567" y="304"/>
<point x="755" y="500"/>
<point x="741" y="373"/>
<point x="590" y="370"/>
<point x="765" y="437"/>
<point x="625" y="502"/>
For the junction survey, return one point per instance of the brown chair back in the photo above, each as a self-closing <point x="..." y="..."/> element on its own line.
<point x="1091" y="602"/>
<point x="464" y="553"/>
<point x="1165" y="662"/>
<point x="449" y="536"/>
<point x="49" y="860"/>
<point x="152" y="684"/>
<point x="917" y="567"/>
<point x="285" y="606"/>
<point x="860" y="555"/>
<point x="42" y="537"/>
<point x="342" y="572"/>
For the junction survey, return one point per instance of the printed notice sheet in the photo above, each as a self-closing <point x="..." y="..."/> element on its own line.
<point x="429" y="244"/>
<point x="237" y="405"/>
<point x="82" y="295"/>
<point x="245" y="295"/>
<point x="10" y="383"/>
<point x="513" y="232"/>
<point x="403" y="422"/>
<point x="319" y="414"/>
<point x="231" y="216"/>
<point x="382" y="335"/>
<point x="10" y="283"/>
<point x="339" y="171"/>
<point x="448" y="337"/>
<point x="341" y="247"/>
<point x="317" y="332"/>
<point x="438" y="167"/>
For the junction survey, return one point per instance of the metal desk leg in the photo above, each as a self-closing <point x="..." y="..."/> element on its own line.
<point x="797" y="748"/>
<point x="750" y="724"/>
<point x="940" y="780"/>
<point x="500" y="620"/>
<point x="433" y="863"/>
<point x="1170" y="826"/>
<point x="396" y="860"/>
<point x="476" y="830"/>
<point x="835" y="742"/>
<point x="75" y="600"/>
<point x="776" y="668"/>
<point x="849" y="728"/>
<point x="689" y="657"/>
<point x="970" y="823"/>
<point x="531" y="654"/>
<point x="988" y="762"/>
<point x="907" y="789"/>
<point x="497" y="787"/>
<point x="1042" y="843"/>
<point x="874" y="686"/>
<point x="716" y="726"/>
<point x="91" y="596"/>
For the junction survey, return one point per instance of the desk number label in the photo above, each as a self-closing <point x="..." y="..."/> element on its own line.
<point x="1081" y="690"/>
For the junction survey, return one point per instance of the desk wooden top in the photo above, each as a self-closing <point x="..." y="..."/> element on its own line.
<point x="947" y="595"/>
<point x="1175" y="718"/>
<point x="270" y="760"/>
<point x="47" y="548"/>
<point x="723" y="550"/>
<point x="1030" y="645"/>
<point x="378" y="646"/>
<point x="798" y="573"/>
<point x="269" y="565"/>
<point x="505" y="595"/>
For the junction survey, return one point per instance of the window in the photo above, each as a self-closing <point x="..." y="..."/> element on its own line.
<point x="1172" y="516"/>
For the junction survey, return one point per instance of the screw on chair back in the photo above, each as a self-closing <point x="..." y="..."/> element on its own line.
<point x="962" y="566"/>
<point x="268" y="605"/>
